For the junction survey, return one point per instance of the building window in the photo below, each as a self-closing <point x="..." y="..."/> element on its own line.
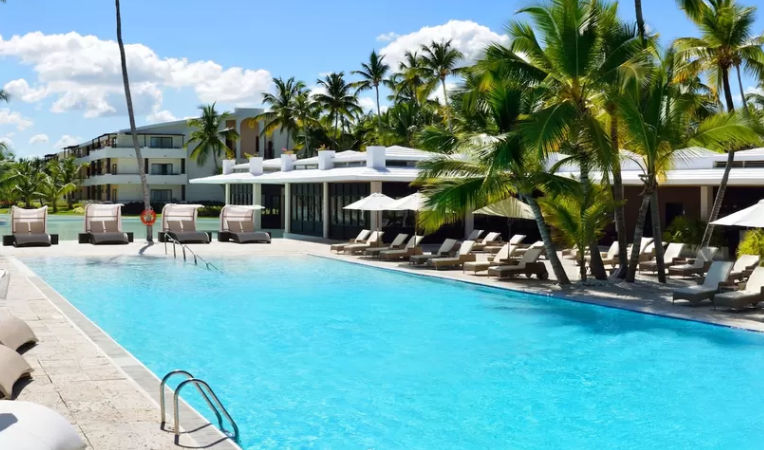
<point x="161" y="195"/>
<point x="345" y="222"/>
<point x="161" y="169"/>
<point x="306" y="204"/>
<point x="161" y="142"/>
<point x="241" y="194"/>
<point x="114" y="195"/>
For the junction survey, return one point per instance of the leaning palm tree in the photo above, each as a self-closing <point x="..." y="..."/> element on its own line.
<point x="306" y="113"/>
<point x="727" y="42"/>
<point x="570" y="65"/>
<point x="210" y="136"/>
<point x="373" y="74"/>
<point x="659" y="121"/>
<point x="339" y="101"/>
<point x="133" y="132"/>
<point x="440" y="59"/>
<point x="280" y="115"/>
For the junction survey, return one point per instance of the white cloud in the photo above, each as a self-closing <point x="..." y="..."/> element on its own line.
<point x="39" y="139"/>
<point x="8" y="117"/>
<point x="83" y="73"/>
<point x="66" y="141"/>
<point x="159" y="116"/>
<point x="387" y="37"/>
<point x="467" y="36"/>
<point x="315" y="90"/>
<point x="367" y="104"/>
<point x="7" y="141"/>
<point x="437" y="94"/>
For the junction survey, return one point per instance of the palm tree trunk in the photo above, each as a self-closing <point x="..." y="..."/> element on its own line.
<point x="445" y="105"/>
<point x="742" y="92"/>
<point x="618" y="198"/>
<point x="379" y="115"/>
<point x="307" y="140"/>
<point x="730" y="160"/>
<point x="638" y="233"/>
<point x="640" y="19"/>
<point x="595" y="259"/>
<point x="657" y="238"/>
<point x="551" y="252"/>
<point x="336" y="131"/>
<point x="131" y="115"/>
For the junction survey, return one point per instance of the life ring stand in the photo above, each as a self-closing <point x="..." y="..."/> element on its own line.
<point x="148" y="217"/>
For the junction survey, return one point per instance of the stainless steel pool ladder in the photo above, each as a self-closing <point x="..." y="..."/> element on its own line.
<point x="184" y="247"/>
<point x="208" y="396"/>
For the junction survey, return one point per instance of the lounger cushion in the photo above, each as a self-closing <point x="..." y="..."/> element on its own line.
<point x="737" y="299"/>
<point x="109" y="238"/>
<point x="174" y="225"/>
<point x="12" y="367"/>
<point x="247" y="226"/>
<point x="14" y="332"/>
<point x="37" y="227"/>
<point x="255" y="236"/>
<point x="29" y="426"/>
<point x="695" y="294"/>
<point x="188" y="225"/>
<point x="97" y="226"/>
<point x="30" y="239"/>
<point x="190" y="237"/>
<point x="111" y="226"/>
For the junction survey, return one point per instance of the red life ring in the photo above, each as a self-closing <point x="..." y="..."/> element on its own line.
<point x="148" y="217"/>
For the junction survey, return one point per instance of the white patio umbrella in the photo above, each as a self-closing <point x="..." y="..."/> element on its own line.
<point x="415" y="202"/>
<point x="752" y="216"/>
<point x="511" y="208"/>
<point x="376" y="202"/>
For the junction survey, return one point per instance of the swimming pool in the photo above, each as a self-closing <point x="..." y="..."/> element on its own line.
<point x="314" y="353"/>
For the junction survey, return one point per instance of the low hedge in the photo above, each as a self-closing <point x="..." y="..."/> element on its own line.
<point x="210" y="209"/>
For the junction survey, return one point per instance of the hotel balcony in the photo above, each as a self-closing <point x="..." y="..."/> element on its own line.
<point x="134" y="178"/>
<point x="129" y="152"/>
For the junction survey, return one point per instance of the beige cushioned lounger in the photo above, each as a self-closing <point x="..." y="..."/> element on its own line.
<point x="398" y="243"/>
<point x="718" y="272"/>
<point x="12" y="367"/>
<point x="362" y="236"/>
<point x="672" y="253"/>
<point x="445" y="249"/>
<point x="698" y="267"/>
<point x="480" y="266"/>
<point x="14" y="333"/>
<point x="463" y="255"/>
<point x="750" y="296"/>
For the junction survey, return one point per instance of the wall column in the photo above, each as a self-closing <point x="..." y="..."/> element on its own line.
<point x="376" y="217"/>
<point x="257" y="194"/>
<point x="325" y="210"/>
<point x="287" y="208"/>
<point x="469" y="222"/>
<point x="706" y="202"/>
<point x="227" y="194"/>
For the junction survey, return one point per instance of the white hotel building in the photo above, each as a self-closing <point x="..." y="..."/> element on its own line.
<point x="112" y="173"/>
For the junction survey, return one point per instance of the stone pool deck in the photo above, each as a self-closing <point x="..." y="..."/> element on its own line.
<point x="112" y="398"/>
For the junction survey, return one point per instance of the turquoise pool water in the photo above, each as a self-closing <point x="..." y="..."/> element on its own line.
<point x="319" y="354"/>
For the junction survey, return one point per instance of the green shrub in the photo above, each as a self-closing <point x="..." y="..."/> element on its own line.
<point x="752" y="244"/>
<point x="690" y="232"/>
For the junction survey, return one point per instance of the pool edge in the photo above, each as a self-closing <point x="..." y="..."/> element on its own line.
<point x="146" y="380"/>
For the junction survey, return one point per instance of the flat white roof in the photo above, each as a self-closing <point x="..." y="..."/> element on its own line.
<point x="340" y="174"/>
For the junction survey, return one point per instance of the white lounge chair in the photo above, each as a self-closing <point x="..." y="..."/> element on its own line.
<point x="698" y="266"/>
<point x="29" y="228"/>
<point x="717" y="273"/>
<point x="15" y="333"/>
<point x="237" y="224"/>
<point x="412" y="248"/>
<point x="743" y="265"/>
<point x="609" y="258"/>
<point x="474" y="235"/>
<point x="179" y="222"/>
<point x="463" y="255"/>
<point x="528" y="265"/>
<point x="485" y="262"/>
<point x="374" y="240"/>
<point x="491" y="238"/>
<point x="752" y="294"/>
<point x="362" y="237"/>
<point x="103" y="225"/>
<point x="398" y="243"/>
<point x="672" y="253"/>
<point x="445" y="249"/>
<point x="29" y="426"/>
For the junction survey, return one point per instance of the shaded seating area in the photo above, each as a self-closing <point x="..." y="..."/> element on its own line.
<point x="717" y="273"/>
<point x="237" y="224"/>
<point x="179" y="223"/>
<point x="696" y="266"/>
<point x="29" y="228"/>
<point x="103" y="226"/>
<point x="528" y="265"/>
<point x="670" y="256"/>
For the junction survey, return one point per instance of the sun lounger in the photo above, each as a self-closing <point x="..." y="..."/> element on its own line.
<point x="484" y="264"/>
<point x="374" y="240"/>
<point x="103" y="225"/>
<point x="475" y="235"/>
<point x="184" y="231"/>
<point x="490" y="239"/>
<point x="518" y="252"/>
<point x="698" y="266"/>
<point x="243" y="232"/>
<point x="412" y="248"/>
<point x="398" y="243"/>
<point x="743" y="267"/>
<point x="29" y="228"/>
<point x="609" y="258"/>
<point x="362" y="237"/>
<point x="718" y="272"/>
<point x="752" y="294"/>
<point x="29" y="426"/>
<point x="463" y="255"/>
<point x="15" y="333"/>
<point x="445" y="249"/>
<point x="528" y="265"/>
<point x="12" y="367"/>
<point x="106" y="233"/>
<point x="673" y="252"/>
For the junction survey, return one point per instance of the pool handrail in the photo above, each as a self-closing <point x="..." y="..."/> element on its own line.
<point x="185" y="247"/>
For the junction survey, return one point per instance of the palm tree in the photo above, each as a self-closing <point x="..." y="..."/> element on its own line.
<point x="440" y="58"/>
<point x="62" y="179"/>
<point x="640" y="19"/>
<point x="306" y="113"/>
<point x="373" y="74"/>
<point x="409" y="83"/>
<point x="660" y="120"/>
<point x="133" y="133"/>
<point x="281" y="113"/>
<point x="210" y="136"/>
<point x="726" y="42"/>
<point x="28" y="181"/>
<point x="339" y="100"/>
<point x="570" y="71"/>
<point x="757" y="97"/>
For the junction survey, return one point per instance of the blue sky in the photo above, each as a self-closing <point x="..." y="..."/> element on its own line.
<point x="63" y="69"/>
